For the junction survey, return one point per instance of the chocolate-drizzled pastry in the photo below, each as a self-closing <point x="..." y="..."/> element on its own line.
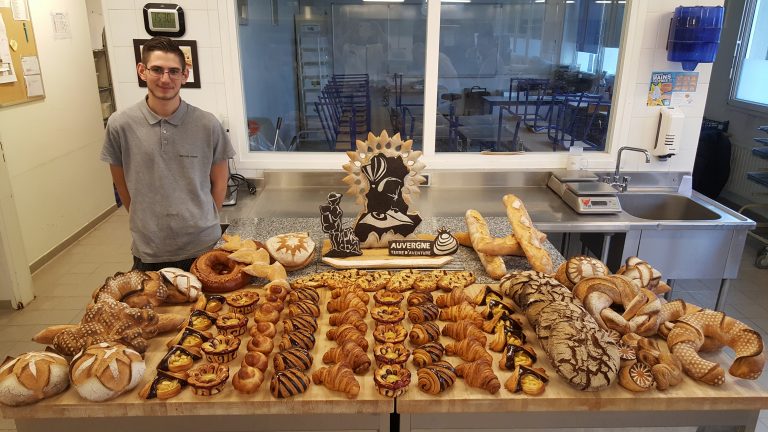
<point x="163" y="387"/>
<point x="294" y="358"/>
<point x="423" y="312"/>
<point x="300" y="322"/>
<point x="300" y="294"/>
<point x="436" y="378"/>
<point x="427" y="354"/>
<point x="178" y="359"/>
<point x="501" y="319"/>
<point x="416" y="298"/>
<point x="297" y="338"/>
<point x="423" y="333"/>
<point x="496" y="306"/>
<point x="211" y="303"/>
<point x="515" y="355"/>
<point x="527" y="380"/>
<point x="288" y="383"/>
<point x="490" y="294"/>
<point x="201" y="320"/>
<point x="303" y="307"/>
<point x="189" y="338"/>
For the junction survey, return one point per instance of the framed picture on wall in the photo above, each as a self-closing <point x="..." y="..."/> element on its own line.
<point x="188" y="47"/>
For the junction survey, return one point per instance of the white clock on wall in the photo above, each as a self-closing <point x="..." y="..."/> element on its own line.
<point x="164" y="19"/>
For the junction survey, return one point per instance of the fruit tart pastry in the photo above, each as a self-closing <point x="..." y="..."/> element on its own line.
<point x="389" y="353"/>
<point x="387" y="314"/>
<point x="232" y="323"/>
<point x="201" y="320"/>
<point x="243" y="302"/>
<point x="189" y="338"/>
<point x="208" y="379"/>
<point x="387" y="297"/>
<point x="389" y="333"/>
<point x="392" y="380"/>
<point x="221" y="349"/>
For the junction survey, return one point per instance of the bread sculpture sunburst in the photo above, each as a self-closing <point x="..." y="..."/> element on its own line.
<point x="384" y="176"/>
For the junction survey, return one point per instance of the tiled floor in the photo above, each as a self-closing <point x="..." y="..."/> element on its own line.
<point x="64" y="286"/>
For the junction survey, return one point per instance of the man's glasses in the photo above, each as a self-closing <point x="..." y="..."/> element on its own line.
<point x="157" y="71"/>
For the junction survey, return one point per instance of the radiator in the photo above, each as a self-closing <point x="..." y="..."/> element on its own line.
<point x="743" y="161"/>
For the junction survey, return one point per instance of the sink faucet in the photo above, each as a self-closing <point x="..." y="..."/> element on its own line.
<point x="620" y="183"/>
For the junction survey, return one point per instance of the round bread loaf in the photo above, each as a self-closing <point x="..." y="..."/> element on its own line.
<point x="104" y="371"/>
<point x="585" y="357"/>
<point x="292" y="250"/>
<point x="31" y="377"/>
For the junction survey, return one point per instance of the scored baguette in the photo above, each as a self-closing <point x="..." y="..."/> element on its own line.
<point x="527" y="235"/>
<point x="478" y="231"/>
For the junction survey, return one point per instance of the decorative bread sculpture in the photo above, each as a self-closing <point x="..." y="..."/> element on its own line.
<point x="32" y="377"/>
<point x="672" y="311"/>
<point x="338" y="377"/>
<point x="187" y="286"/>
<point x="643" y="275"/>
<point x="479" y="234"/>
<point x="527" y="235"/>
<point x="579" y="267"/>
<point x="640" y="306"/>
<point x="292" y="250"/>
<point x="105" y="371"/>
<point x="709" y="330"/>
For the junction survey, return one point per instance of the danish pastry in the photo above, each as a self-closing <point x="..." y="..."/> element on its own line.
<point x="436" y="377"/>
<point x="338" y="377"/>
<point x="189" y="338"/>
<point x="232" y="323"/>
<point x="455" y="280"/>
<point x="387" y="314"/>
<point x="162" y="387"/>
<point x="201" y="320"/>
<point x="427" y="282"/>
<point x="392" y="333"/>
<point x="210" y="303"/>
<point x="288" y="383"/>
<point x="296" y="358"/>
<point x="392" y="380"/>
<point x="516" y="355"/>
<point x="424" y="333"/>
<point x="221" y="349"/>
<point x="427" y="354"/>
<point x="527" y="380"/>
<point x="389" y="353"/>
<point x="178" y="359"/>
<point x="423" y="312"/>
<point x="243" y="302"/>
<point x="402" y="280"/>
<point x="372" y="281"/>
<point x="387" y="297"/>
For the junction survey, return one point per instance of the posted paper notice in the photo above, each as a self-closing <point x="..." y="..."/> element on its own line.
<point x="34" y="85"/>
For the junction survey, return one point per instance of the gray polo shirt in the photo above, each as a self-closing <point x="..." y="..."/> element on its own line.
<point x="167" y="164"/>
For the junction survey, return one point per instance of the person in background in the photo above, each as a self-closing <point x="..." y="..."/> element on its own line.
<point x="168" y="161"/>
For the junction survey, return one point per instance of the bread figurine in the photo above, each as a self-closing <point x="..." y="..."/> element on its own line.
<point x="427" y="354"/>
<point x="293" y="250"/>
<point x="248" y="379"/>
<point x="32" y="377"/>
<point x="294" y="358"/>
<point x="105" y="371"/>
<point x="478" y="233"/>
<point x="351" y="355"/>
<point x="288" y="383"/>
<point x="423" y="312"/>
<point x="464" y="329"/>
<point x="527" y="235"/>
<point x="469" y="350"/>
<point x="338" y="377"/>
<point x="463" y="311"/>
<point x="479" y="374"/>
<point x="424" y="333"/>
<point x="436" y="377"/>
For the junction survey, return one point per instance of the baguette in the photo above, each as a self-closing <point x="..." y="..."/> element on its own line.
<point x="527" y="235"/>
<point x="500" y="246"/>
<point x="478" y="232"/>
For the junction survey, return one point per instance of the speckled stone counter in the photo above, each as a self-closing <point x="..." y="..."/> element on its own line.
<point x="263" y="228"/>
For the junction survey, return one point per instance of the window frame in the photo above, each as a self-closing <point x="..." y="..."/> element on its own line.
<point x="742" y="42"/>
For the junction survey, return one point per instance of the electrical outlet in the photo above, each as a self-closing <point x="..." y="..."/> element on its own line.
<point x="427" y="180"/>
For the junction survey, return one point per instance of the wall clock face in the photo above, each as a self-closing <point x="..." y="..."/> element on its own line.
<point x="164" y="19"/>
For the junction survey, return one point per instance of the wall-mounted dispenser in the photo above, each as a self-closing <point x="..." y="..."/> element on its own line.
<point x="668" y="135"/>
<point x="694" y="35"/>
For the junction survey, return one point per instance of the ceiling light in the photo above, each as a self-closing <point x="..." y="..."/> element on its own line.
<point x="384" y="1"/>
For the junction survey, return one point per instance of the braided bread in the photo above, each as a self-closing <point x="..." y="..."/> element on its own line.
<point x="643" y="275"/>
<point x="436" y="378"/>
<point x="579" y="267"/>
<point x="641" y="306"/>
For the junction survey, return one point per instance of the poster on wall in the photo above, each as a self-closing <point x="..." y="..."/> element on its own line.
<point x="188" y="47"/>
<point x="672" y="89"/>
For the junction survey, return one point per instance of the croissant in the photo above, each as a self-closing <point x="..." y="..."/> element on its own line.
<point x="464" y="329"/>
<point x="300" y="294"/>
<point x="456" y="297"/>
<point x="428" y="354"/>
<point x="289" y="382"/>
<point x="416" y="298"/>
<point x="303" y="307"/>
<point x="423" y="333"/>
<point x="298" y="338"/>
<point x="469" y="350"/>
<point x="479" y="374"/>
<point x="348" y="333"/>
<point x="436" y="378"/>
<point x="338" y="377"/>
<point x="423" y="312"/>
<point x="349" y="354"/>
<point x="334" y="331"/>
<point x="296" y="358"/>
<point x="348" y="316"/>
<point x="347" y="301"/>
<point x="342" y="292"/>
<point x="300" y="322"/>
<point x="463" y="311"/>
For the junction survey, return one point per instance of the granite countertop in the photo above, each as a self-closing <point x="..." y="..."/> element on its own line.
<point x="465" y="258"/>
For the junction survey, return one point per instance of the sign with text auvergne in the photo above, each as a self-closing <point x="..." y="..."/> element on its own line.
<point x="411" y="247"/>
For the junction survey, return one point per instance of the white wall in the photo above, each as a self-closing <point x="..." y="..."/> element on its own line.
<point x="52" y="146"/>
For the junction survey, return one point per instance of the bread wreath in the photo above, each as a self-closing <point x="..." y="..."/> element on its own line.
<point x="218" y="273"/>
<point x="709" y="330"/>
<point x="640" y="306"/>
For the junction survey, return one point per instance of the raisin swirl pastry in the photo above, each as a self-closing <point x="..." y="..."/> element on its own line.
<point x="416" y="298"/>
<point x="293" y="358"/>
<point x="288" y="383"/>
<point x="297" y="338"/>
<point x="392" y="333"/>
<point x="428" y="354"/>
<point x="387" y="314"/>
<point x="423" y="333"/>
<point x="300" y="294"/>
<point x="424" y="312"/>
<point x="387" y="297"/>
<point x="436" y="378"/>
<point x="389" y="353"/>
<point x="300" y="322"/>
<point x="392" y="380"/>
<point x="515" y="355"/>
<point x="303" y="307"/>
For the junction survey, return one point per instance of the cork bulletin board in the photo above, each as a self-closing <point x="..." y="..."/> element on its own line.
<point x="19" y="40"/>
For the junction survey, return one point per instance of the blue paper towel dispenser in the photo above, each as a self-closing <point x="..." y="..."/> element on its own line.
<point x="694" y="35"/>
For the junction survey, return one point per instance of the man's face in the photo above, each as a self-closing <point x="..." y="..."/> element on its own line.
<point x="158" y="73"/>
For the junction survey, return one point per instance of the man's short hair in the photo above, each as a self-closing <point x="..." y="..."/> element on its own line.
<point x="164" y="44"/>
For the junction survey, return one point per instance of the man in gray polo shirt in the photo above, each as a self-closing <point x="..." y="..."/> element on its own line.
<point x="169" y="164"/>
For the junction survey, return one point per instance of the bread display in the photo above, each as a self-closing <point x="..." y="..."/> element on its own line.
<point x="427" y="354"/>
<point x="424" y="333"/>
<point x="436" y="377"/>
<point x="711" y="330"/>
<point x="208" y="379"/>
<point x="479" y="374"/>
<point x="478" y="233"/>
<point x="248" y="379"/>
<point x="32" y="377"/>
<point x="218" y="273"/>
<point x="288" y="383"/>
<point x="106" y="370"/>
<point x="338" y="377"/>
<point x="579" y="267"/>
<point x="292" y="250"/>
<point x="527" y="235"/>
<point x="390" y="333"/>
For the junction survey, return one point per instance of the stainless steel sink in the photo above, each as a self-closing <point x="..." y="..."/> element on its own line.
<point x="664" y="206"/>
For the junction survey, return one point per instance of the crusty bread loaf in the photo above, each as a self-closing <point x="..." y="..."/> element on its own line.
<point x="527" y="235"/>
<point x="478" y="233"/>
<point x="105" y="371"/>
<point x="31" y="377"/>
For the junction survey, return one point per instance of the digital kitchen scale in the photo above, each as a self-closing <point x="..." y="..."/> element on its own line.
<point x="582" y="191"/>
